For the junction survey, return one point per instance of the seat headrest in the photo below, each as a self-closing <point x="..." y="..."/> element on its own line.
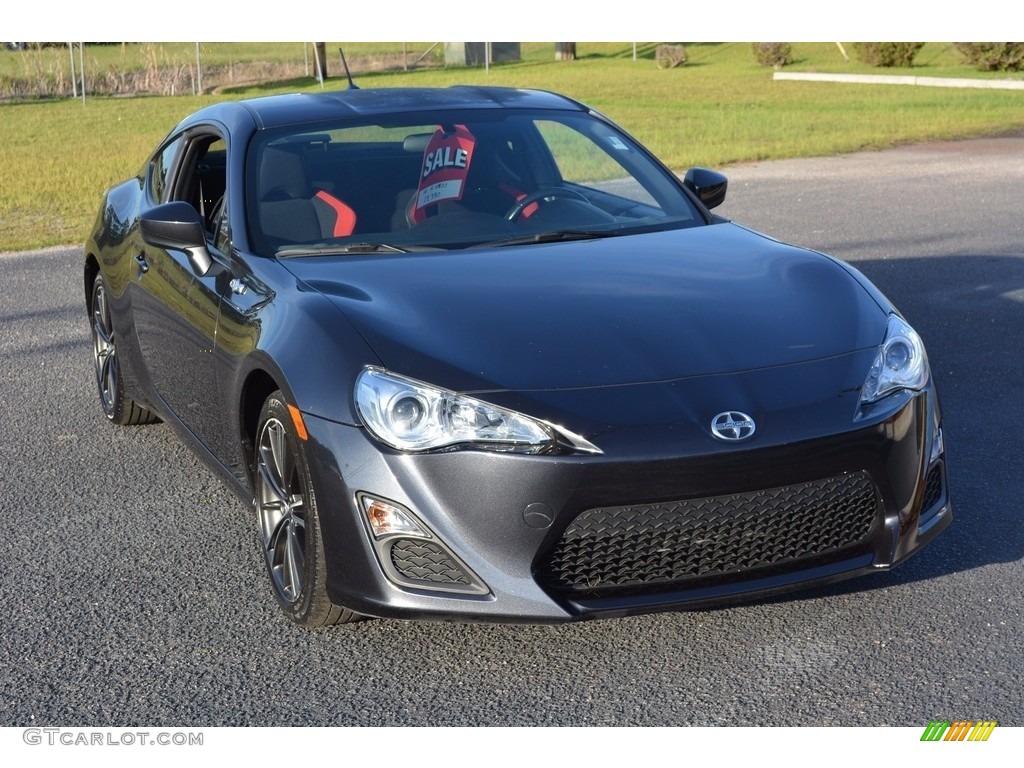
<point x="283" y="175"/>
<point x="416" y="142"/>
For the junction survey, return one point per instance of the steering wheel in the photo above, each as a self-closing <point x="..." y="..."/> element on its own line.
<point x="543" y="194"/>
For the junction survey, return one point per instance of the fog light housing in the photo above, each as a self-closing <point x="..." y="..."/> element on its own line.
<point x="411" y="555"/>
<point x="386" y="518"/>
<point x="938" y="447"/>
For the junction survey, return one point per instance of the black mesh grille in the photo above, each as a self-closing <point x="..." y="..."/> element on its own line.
<point x="661" y="544"/>
<point x="932" y="488"/>
<point x="419" y="560"/>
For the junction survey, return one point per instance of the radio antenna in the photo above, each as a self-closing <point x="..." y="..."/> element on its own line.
<point x="351" y="85"/>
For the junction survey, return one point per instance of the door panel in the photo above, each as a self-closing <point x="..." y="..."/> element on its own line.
<point x="176" y="311"/>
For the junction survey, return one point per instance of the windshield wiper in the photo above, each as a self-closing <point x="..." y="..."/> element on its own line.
<point x="554" y="237"/>
<point x="338" y="250"/>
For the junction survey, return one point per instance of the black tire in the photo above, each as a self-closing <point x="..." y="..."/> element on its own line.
<point x="116" y="402"/>
<point x="288" y="522"/>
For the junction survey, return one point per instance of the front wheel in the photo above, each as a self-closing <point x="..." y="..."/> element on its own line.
<point x="289" y="524"/>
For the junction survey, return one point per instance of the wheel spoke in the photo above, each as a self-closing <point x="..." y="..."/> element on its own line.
<point x="278" y="558"/>
<point x="295" y="560"/>
<point x="286" y="556"/>
<point x="103" y="336"/>
<point x="100" y="346"/>
<point x="108" y="375"/>
<point x="271" y="482"/>
<point x="271" y="517"/>
<point x="278" y="452"/>
<point x="277" y="538"/>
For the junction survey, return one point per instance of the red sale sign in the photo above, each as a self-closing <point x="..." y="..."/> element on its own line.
<point x="446" y="162"/>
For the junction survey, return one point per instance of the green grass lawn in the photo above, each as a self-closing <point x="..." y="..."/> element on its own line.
<point x="56" y="157"/>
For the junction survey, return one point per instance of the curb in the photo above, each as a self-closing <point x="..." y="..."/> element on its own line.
<point x="934" y="82"/>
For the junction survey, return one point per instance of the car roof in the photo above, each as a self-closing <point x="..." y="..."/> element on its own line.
<point x="289" y="109"/>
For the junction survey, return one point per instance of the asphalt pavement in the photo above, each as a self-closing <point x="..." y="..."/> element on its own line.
<point x="135" y="594"/>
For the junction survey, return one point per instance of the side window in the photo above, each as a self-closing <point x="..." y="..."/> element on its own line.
<point x="219" y="222"/>
<point x="202" y="182"/>
<point x="211" y="172"/>
<point x="160" y="170"/>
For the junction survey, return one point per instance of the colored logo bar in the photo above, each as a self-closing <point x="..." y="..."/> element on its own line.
<point x="960" y="730"/>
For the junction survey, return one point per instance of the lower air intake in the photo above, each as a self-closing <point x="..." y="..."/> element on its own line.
<point x="659" y="545"/>
<point x="424" y="561"/>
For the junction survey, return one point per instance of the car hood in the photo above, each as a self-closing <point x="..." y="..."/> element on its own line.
<point x="624" y="310"/>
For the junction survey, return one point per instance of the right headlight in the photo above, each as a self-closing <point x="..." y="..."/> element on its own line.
<point x="901" y="363"/>
<point x="411" y="415"/>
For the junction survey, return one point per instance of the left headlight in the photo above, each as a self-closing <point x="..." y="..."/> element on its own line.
<point x="412" y="416"/>
<point x="901" y="363"/>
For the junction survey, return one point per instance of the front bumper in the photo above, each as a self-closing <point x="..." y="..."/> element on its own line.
<point x="500" y="521"/>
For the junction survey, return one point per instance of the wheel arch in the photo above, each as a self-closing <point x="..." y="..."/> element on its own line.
<point x="258" y="386"/>
<point x="90" y="269"/>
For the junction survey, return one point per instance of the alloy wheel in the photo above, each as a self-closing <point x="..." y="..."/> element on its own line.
<point x="104" y="349"/>
<point x="281" y="508"/>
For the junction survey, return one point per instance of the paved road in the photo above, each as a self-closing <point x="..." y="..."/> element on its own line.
<point x="134" y="594"/>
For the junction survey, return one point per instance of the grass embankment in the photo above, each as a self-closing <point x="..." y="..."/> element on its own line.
<point x="56" y="157"/>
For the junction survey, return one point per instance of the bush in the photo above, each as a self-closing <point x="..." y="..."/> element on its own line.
<point x="669" y="56"/>
<point x="993" y="57"/>
<point x="776" y="55"/>
<point x="887" y="54"/>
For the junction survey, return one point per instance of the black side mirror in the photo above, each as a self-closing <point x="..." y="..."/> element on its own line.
<point x="709" y="186"/>
<point x="177" y="225"/>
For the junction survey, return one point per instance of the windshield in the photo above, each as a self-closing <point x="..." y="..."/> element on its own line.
<point x="454" y="179"/>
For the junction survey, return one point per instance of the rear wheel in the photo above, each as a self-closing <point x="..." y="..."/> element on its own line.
<point x="289" y="524"/>
<point x="116" y="404"/>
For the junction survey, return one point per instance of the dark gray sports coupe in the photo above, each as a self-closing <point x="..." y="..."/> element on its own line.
<point x="475" y="353"/>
